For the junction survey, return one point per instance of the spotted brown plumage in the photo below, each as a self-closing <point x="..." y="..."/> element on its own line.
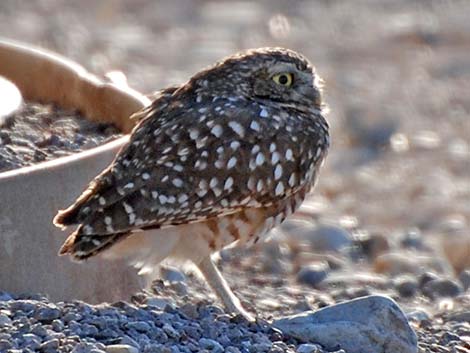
<point x="226" y="156"/>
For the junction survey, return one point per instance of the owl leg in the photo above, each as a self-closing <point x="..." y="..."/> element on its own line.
<point x="221" y="288"/>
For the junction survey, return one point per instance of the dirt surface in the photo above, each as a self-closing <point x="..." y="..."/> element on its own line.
<point x="38" y="132"/>
<point x="396" y="184"/>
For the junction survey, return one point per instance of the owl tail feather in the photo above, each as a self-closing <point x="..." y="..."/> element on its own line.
<point x="81" y="246"/>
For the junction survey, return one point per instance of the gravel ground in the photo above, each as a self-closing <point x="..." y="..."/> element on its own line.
<point x="390" y="214"/>
<point x="39" y="132"/>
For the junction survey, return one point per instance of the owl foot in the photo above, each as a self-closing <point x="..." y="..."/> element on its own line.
<point x="220" y="287"/>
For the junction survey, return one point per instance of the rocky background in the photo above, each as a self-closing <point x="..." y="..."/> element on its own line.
<point x="391" y="212"/>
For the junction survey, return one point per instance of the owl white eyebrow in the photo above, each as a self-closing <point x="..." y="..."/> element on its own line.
<point x="283" y="67"/>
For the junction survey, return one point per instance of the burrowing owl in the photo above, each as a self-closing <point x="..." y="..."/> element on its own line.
<point x="220" y="159"/>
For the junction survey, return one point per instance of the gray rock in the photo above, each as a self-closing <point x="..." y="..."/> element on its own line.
<point x="57" y="325"/>
<point x="232" y="349"/>
<point x="50" y="346"/>
<point x="442" y="287"/>
<point x="190" y="310"/>
<point x="71" y="317"/>
<point x="47" y="314"/>
<point x="5" y="345"/>
<point x="425" y="278"/>
<point x="4" y="320"/>
<point x="32" y="341"/>
<point x="322" y="237"/>
<point x="39" y="330"/>
<point x="418" y="315"/>
<point x="308" y="348"/>
<point x="406" y="286"/>
<point x="365" y="325"/>
<point x="464" y="278"/>
<point x="129" y="341"/>
<point x="23" y="305"/>
<point x="140" y="326"/>
<point x="83" y="347"/>
<point x="412" y="239"/>
<point x="89" y="330"/>
<point x="4" y="296"/>
<point x="121" y="348"/>
<point x="153" y="348"/>
<point x="372" y="244"/>
<point x="171" y="274"/>
<point x="179" y="287"/>
<point x="158" y="303"/>
<point x="327" y="238"/>
<point x="313" y="274"/>
<point x="170" y="331"/>
<point x="211" y="345"/>
<point x="462" y="316"/>
<point x="101" y="346"/>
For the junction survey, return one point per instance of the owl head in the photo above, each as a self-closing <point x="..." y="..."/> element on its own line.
<point x="269" y="75"/>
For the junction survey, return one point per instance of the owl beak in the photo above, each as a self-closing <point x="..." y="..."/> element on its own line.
<point x="313" y="95"/>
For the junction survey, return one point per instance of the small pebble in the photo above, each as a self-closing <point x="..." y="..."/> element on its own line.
<point x="121" y="348"/>
<point x="172" y="274"/>
<point x="50" y="346"/>
<point x="418" y="315"/>
<point x="464" y="278"/>
<point x="313" y="274"/>
<point x="412" y="239"/>
<point x="425" y="278"/>
<point x="5" y="345"/>
<point x="4" y="320"/>
<point x="373" y="244"/>
<point x="211" y="345"/>
<point x="46" y="314"/>
<point x="308" y="348"/>
<point x="406" y="286"/>
<point x="444" y="287"/>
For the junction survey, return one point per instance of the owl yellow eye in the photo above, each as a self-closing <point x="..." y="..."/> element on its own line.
<point x="284" y="79"/>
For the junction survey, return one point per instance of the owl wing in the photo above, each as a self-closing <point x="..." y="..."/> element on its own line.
<point x="185" y="165"/>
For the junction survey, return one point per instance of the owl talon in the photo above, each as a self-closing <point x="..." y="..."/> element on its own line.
<point x="243" y="315"/>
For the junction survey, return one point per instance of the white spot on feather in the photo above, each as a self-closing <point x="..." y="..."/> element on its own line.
<point x="231" y="162"/>
<point x="163" y="199"/>
<point x="182" y="198"/>
<point x="237" y="128"/>
<point x="228" y="183"/>
<point x="234" y="145"/>
<point x="193" y="133"/>
<point x="289" y="154"/>
<point x="292" y="179"/>
<point x="213" y="183"/>
<point x="275" y="158"/>
<point x="260" y="158"/>
<point x="279" y="189"/>
<point x="278" y="172"/>
<point x="128" y="208"/>
<point x="177" y="182"/>
<point x="255" y="126"/>
<point x="217" y="130"/>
